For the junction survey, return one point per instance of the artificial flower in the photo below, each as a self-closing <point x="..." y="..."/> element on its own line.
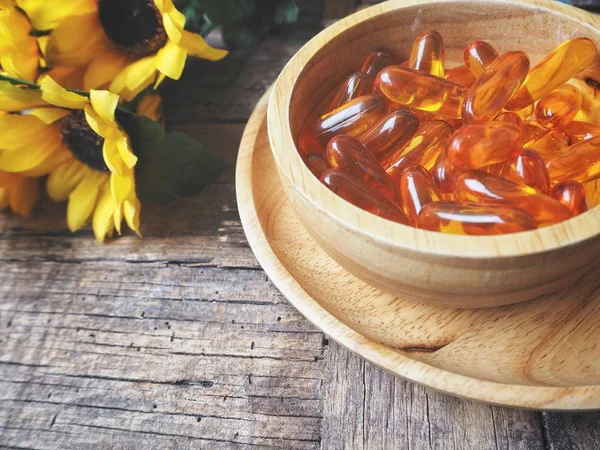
<point x="78" y="142"/>
<point x="19" y="52"/>
<point x="127" y="45"/>
<point x="18" y="193"/>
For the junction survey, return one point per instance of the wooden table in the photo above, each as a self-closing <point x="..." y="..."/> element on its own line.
<point x="180" y="341"/>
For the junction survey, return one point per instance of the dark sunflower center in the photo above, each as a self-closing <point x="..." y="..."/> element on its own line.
<point x="135" y="26"/>
<point x="83" y="142"/>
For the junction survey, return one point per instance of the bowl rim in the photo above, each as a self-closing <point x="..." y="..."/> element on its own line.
<point x="577" y="230"/>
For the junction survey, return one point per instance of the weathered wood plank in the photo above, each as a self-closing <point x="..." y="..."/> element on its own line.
<point x="580" y="431"/>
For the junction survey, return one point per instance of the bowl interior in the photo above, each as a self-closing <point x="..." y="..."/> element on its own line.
<point x="533" y="26"/>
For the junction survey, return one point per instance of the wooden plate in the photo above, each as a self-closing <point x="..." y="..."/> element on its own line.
<point x="542" y="354"/>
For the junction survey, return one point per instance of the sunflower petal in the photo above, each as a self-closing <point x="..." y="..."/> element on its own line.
<point x="56" y="95"/>
<point x="132" y="215"/>
<point x="104" y="103"/>
<point x="103" y="223"/>
<point x="103" y="69"/>
<point x="63" y="180"/>
<point x="24" y="196"/>
<point x="170" y="60"/>
<point x="126" y="154"/>
<point x="66" y="46"/>
<point x="49" y="115"/>
<point x="118" y="217"/>
<point x="14" y="98"/>
<point x="47" y="14"/>
<point x="17" y="131"/>
<point x="197" y="46"/>
<point x="135" y="78"/>
<point x="110" y="152"/>
<point x="83" y="200"/>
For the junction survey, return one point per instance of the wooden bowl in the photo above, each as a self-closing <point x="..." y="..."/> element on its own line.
<point x="440" y="269"/>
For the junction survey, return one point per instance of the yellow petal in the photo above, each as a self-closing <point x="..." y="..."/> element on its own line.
<point x="56" y="95"/>
<point x="63" y="180"/>
<point x="102" y="222"/>
<point x="47" y="14"/>
<point x="17" y="131"/>
<point x="56" y="158"/>
<point x="113" y="160"/>
<point x="122" y="187"/>
<point x="49" y="115"/>
<point x="14" y="98"/>
<point x="150" y="105"/>
<point x="118" y="217"/>
<point x="23" y="198"/>
<point x="83" y="200"/>
<point x="32" y="158"/>
<point x="132" y="215"/>
<point x="125" y="152"/>
<point x="76" y="41"/>
<point x="104" y="103"/>
<point x="170" y="60"/>
<point x="174" y="23"/>
<point x="135" y="78"/>
<point x="197" y="46"/>
<point x="103" y="69"/>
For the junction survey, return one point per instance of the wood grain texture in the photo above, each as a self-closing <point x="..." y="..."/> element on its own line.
<point x="445" y="270"/>
<point x="73" y="315"/>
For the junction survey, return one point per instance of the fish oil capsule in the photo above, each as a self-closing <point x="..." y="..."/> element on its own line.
<point x="416" y="190"/>
<point x="350" y="154"/>
<point x="526" y="114"/>
<point x="572" y="195"/>
<point x="478" y="56"/>
<point x="495" y="87"/>
<point x="581" y="131"/>
<point x="474" y="146"/>
<point x="528" y="168"/>
<point x="579" y="162"/>
<point x="428" y="54"/>
<point x="361" y="195"/>
<point x="590" y="107"/>
<point x="532" y="131"/>
<point x="354" y="118"/>
<point x="391" y="132"/>
<point x="477" y="220"/>
<point x="461" y="75"/>
<point x="592" y="191"/>
<point x="474" y="186"/>
<point x="444" y="174"/>
<point x="550" y="144"/>
<point x="558" y="107"/>
<point x="354" y="86"/>
<point x="421" y="90"/>
<point x="376" y="61"/>
<point x="316" y="163"/>
<point x="422" y="150"/>
<point x="494" y="169"/>
<point x="511" y="117"/>
<point x="562" y="64"/>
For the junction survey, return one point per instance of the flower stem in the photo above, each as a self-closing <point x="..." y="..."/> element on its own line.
<point x="20" y="82"/>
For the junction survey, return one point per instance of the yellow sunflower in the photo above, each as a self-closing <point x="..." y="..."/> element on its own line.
<point x="126" y="46"/>
<point x="19" y="52"/>
<point x="18" y="193"/>
<point x="78" y="142"/>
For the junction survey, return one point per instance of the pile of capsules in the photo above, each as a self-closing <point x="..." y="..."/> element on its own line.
<point x="493" y="146"/>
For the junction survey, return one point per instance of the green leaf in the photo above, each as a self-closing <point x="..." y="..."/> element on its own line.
<point x="169" y="165"/>
<point x="227" y="11"/>
<point x="242" y="34"/>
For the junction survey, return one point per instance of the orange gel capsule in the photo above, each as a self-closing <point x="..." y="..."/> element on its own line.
<point x="550" y="144"/>
<point x="422" y="150"/>
<point x="581" y="131"/>
<point x="528" y="168"/>
<point x="474" y="146"/>
<point x="354" y="86"/>
<point x="428" y="54"/>
<point x="494" y="169"/>
<point x="417" y="190"/>
<point x="421" y="90"/>
<point x="562" y="64"/>
<point x="350" y="155"/>
<point x="454" y="218"/>
<point x="510" y="117"/>
<point x="361" y="195"/>
<point x="376" y="61"/>
<point x="572" y="195"/>
<point x="444" y="174"/>
<point x="578" y="162"/>
<point x="495" y="87"/>
<point x="592" y="191"/>
<point x="532" y="131"/>
<point x="461" y="75"/>
<point x="353" y="119"/>
<point x="474" y="186"/>
<point x="390" y="133"/>
<point x="478" y="56"/>
<point x="317" y="164"/>
<point x="526" y="114"/>
<point x="559" y="107"/>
